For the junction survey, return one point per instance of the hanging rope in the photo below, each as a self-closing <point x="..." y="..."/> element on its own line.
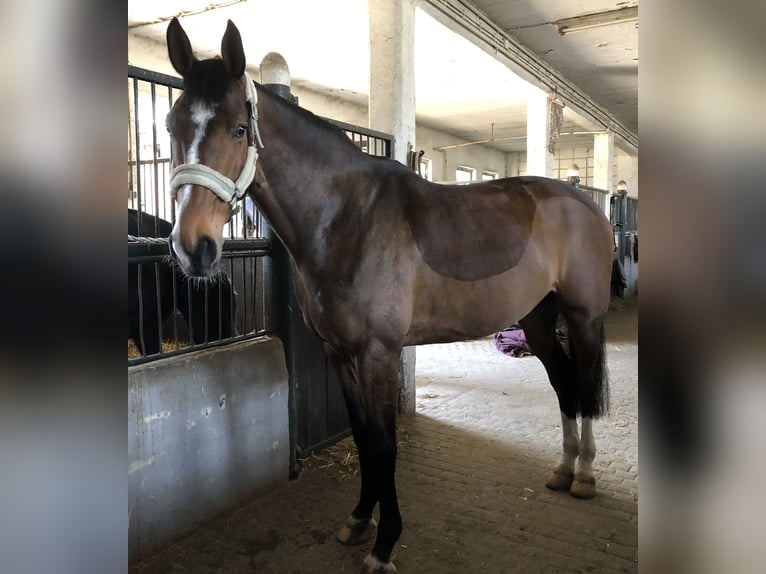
<point x="556" y="122"/>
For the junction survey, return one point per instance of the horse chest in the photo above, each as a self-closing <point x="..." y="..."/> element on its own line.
<point x="322" y="311"/>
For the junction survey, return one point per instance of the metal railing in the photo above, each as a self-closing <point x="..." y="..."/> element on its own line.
<point x="599" y="196"/>
<point x="186" y="315"/>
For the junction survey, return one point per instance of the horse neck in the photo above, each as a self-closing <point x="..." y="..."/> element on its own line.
<point x="300" y="170"/>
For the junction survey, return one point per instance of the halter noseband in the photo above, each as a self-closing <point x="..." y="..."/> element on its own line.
<point x="228" y="190"/>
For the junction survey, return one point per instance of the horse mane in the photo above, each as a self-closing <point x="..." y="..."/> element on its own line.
<point x="326" y="127"/>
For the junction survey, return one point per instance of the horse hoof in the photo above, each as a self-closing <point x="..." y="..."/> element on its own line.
<point x="560" y="480"/>
<point x="372" y="565"/>
<point x="357" y="531"/>
<point x="583" y="487"/>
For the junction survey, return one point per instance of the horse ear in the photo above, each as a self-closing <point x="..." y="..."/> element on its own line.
<point x="179" y="48"/>
<point x="232" y="53"/>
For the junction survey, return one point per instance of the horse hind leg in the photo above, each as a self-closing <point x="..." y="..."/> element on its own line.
<point x="540" y="331"/>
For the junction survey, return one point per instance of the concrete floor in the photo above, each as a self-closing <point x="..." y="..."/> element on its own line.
<point x="471" y="480"/>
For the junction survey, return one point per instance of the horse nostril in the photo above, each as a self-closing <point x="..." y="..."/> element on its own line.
<point x="204" y="254"/>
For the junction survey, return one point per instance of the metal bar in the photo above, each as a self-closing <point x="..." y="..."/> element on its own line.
<point x="165" y="186"/>
<point x="139" y="274"/>
<point x="151" y="76"/>
<point x="358" y="129"/>
<point x="230" y="246"/>
<point x="155" y="167"/>
<point x="158" y="295"/>
<point x="137" y="143"/>
<point x="190" y="349"/>
<point x="131" y="164"/>
<point x="445" y="147"/>
<point x="175" y="305"/>
<point x="207" y="310"/>
<point x="232" y="313"/>
<point x="245" y="292"/>
<point x="595" y="189"/>
<point x="230" y="255"/>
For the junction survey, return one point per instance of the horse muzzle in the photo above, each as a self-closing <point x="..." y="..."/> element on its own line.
<point x="201" y="260"/>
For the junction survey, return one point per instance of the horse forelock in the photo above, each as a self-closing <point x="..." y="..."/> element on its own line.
<point x="208" y="81"/>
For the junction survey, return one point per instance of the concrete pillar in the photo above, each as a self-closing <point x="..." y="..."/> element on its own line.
<point x="392" y="110"/>
<point x="603" y="160"/>
<point x="511" y="164"/>
<point x="392" y="71"/>
<point x="539" y="158"/>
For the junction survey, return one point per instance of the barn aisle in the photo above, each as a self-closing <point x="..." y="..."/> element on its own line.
<point x="472" y="466"/>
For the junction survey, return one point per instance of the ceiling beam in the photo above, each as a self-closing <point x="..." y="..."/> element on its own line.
<point x="463" y="17"/>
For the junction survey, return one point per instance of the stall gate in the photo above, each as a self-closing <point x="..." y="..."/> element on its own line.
<point x="256" y="263"/>
<point x="624" y="219"/>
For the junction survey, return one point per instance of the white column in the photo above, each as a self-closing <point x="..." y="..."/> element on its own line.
<point x="539" y="159"/>
<point x="511" y="164"/>
<point x="392" y="71"/>
<point x="603" y="160"/>
<point x="392" y="110"/>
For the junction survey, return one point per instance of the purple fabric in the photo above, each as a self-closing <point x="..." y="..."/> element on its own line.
<point x="512" y="342"/>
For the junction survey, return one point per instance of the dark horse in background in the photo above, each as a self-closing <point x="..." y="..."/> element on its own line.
<point x="383" y="258"/>
<point x="191" y="300"/>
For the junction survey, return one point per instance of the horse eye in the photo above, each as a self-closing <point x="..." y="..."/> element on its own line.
<point x="240" y="131"/>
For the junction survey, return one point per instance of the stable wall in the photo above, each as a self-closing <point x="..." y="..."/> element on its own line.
<point x="206" y="431"/>
<point x="444" y="163"/>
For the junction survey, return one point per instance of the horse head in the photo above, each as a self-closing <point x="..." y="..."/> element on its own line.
<point x="213" y="129"/>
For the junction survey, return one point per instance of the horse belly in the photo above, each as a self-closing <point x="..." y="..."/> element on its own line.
<point x="448" y="310"/>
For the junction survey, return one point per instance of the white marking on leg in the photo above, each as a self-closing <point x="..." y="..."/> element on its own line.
<point x="570" y="445"/>
<point x="587" y="449"/>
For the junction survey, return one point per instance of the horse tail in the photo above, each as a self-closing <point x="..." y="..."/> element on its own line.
<point x="592" y="386"/>
<point x="601" y="378"/>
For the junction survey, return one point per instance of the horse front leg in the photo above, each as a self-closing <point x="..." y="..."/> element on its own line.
<point x="377" y="370"/>
<point x="360" y="524"/>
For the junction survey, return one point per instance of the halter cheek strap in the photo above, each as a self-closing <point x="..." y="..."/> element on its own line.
<point x="226" y="189"/>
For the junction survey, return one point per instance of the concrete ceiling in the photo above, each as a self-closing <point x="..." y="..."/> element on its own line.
<point x="602" y="60"/>
<point x="460" y="88"/>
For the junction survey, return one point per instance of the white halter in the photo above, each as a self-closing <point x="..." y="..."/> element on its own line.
<point x="228" y="190"/>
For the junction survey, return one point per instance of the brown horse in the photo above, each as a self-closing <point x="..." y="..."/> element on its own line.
<point x="383" y="258"/>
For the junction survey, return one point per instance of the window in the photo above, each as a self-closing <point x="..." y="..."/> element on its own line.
<point x="488" y="175"/>
<point x="465" y="174"/>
